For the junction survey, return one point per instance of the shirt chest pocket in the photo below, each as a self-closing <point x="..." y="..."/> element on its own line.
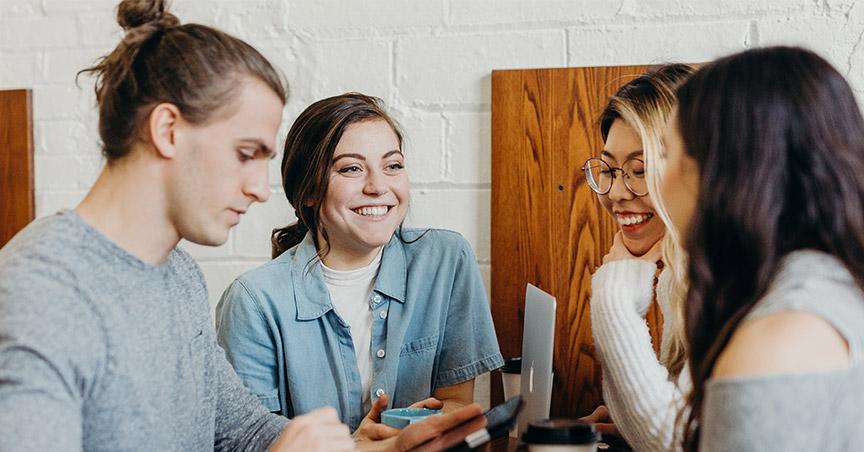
<point x="416" y="364"/>
<point x="419" y="346"/>
<point x="197" y="351"/>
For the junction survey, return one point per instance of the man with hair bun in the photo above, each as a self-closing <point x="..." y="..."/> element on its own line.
<point x="106" y="341"/>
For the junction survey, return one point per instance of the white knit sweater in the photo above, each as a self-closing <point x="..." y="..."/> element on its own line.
<point x="642" y="400"/>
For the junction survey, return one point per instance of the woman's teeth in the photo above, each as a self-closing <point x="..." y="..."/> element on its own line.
<point x="371" y="211"/>
<point x="629" y="220"/>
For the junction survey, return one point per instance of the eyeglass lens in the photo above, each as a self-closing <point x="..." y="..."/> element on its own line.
<point x="600" y="176"/>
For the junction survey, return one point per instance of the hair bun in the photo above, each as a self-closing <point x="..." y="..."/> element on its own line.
<point x="135" y="13"/>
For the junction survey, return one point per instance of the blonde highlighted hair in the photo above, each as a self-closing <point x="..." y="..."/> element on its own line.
<point x="646" y="103"/>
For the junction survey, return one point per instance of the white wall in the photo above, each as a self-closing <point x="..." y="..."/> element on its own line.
<point x="430" y="60"/>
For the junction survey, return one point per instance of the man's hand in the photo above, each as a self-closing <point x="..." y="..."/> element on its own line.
<point x="440" y="431"/>
<point x="318" y="430"/>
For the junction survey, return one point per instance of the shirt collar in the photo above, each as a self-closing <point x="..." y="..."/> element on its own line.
<point x="393" y="272"/>
<point x="310" y="291"/>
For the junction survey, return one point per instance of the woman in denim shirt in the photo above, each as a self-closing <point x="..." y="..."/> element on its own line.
<point x="355" y="311"/>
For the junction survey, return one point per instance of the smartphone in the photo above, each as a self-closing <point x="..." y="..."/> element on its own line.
<point x="499" y="421"/>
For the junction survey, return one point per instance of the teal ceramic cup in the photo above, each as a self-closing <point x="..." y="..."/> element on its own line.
<point x="402" y="417"/>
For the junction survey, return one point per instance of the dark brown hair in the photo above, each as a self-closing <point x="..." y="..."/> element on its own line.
<point x="308" y="156"/>
<point x="192" y="66"/>
<point x="776" y="134"/>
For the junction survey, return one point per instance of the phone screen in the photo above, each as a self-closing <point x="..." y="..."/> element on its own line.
<point x="504" y="415"/>
<point x="499" y="421"/>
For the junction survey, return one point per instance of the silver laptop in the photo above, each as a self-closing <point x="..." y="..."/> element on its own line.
<point x="538" y="342"/>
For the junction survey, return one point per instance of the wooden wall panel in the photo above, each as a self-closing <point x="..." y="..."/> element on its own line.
<point x="17" y="207"/>
<point x="548" y="228"/>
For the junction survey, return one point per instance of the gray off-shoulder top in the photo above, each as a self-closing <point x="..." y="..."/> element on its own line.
<point x="821" y="411"/>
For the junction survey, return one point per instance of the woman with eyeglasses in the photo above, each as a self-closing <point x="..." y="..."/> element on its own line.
<point x="642" y="392"/>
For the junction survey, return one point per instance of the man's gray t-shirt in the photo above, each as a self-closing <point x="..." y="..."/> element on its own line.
<point x="100" y="351"/>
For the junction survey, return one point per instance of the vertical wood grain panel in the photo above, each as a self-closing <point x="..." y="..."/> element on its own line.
<point x="507" y="226"/>
<point x="547" y="226"/>
<point x="17" y="206"/>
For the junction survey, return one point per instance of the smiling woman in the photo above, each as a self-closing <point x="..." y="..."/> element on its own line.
<point x="367" y="194"/>
<point x="628" y="201"/>
<point x="642" y="391"/>
<point x="374" y="314"/>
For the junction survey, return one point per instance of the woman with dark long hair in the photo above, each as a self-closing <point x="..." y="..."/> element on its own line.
<point x="764" y="182"/>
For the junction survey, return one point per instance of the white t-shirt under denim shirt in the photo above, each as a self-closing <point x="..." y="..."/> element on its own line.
<point x="349" y="292"/>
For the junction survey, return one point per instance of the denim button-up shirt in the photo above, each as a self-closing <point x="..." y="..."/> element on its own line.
<point x="430" y="317"/>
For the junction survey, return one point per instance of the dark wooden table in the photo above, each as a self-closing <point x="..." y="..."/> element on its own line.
<point x="508" y="444"/>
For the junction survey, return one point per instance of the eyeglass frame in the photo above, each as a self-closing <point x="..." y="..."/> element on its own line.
<point x="613" y="170"/>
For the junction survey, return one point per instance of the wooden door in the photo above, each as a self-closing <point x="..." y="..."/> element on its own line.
<point x="17" y="207"/>
<point x="548" y="227"/>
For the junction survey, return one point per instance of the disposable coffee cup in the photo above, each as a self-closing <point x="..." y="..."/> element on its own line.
<point x="560" y="435"/>
<point x="511" y="378"/>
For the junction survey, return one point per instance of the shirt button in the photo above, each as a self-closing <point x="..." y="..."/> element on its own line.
<point x="381" y="353"/>
<point x="382" y="314"/>
<point x="379" y="392"/>
<point x="376" y="298"/>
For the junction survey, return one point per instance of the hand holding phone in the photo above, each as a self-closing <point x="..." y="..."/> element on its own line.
<point x="438" y="432"/>
<point x="499" y="421"/>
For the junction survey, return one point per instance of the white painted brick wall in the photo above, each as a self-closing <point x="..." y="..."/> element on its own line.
<point x="520" y="13"/>
<point x="335" y="16"/>
<point x="430" y="60"/>
<point x="23" y="8"/>
<point x="463" y="209"/>
<point x="252" y="235"/>
<point x="687" y="9"/>
<point x="455" y="70"/>
<point x="328" y="68"/>
<point x="469" y="147"/>
<point x="19" y="68"/>
<point x="41" y="33"/>
<point x="423" y="143"/>
<point x="656" y="43"/>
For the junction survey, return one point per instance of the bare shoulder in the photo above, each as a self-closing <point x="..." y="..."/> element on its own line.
<point x="787" y="342"/>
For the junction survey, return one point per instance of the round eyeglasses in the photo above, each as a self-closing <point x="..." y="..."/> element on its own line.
<point x="600" y="176"/>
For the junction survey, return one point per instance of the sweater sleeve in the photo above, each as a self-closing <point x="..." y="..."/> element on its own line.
<point x="642" y="401"/>
<point x="242" y="422"/>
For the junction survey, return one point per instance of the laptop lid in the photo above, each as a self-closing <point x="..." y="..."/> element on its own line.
<point x="538" y="341"/>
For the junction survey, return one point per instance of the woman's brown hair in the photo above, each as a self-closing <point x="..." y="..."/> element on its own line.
<point x="776" y="135"/>
<point x="308" y="156"/>
<point x="195" y="67"/>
